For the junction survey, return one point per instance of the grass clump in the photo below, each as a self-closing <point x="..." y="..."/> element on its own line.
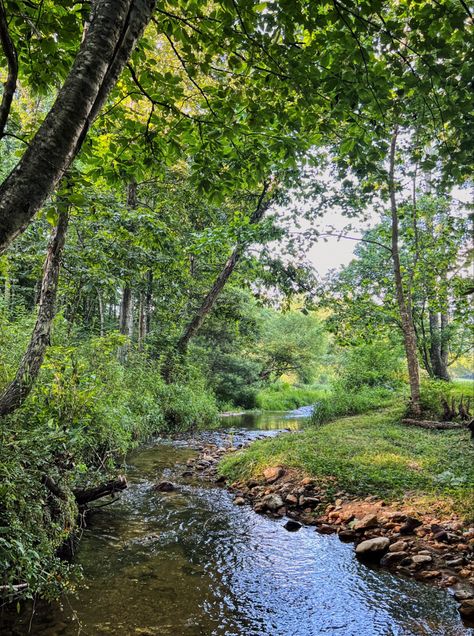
<point x="373" y="454"/>
<point x="282" y="396"/>
<point x="341" y="402"/>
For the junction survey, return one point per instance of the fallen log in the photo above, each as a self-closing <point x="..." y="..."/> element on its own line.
<point x="430" y="424"/>
<point x="86" y="495"/>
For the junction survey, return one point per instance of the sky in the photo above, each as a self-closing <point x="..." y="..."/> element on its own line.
<point x="334" y="253"/>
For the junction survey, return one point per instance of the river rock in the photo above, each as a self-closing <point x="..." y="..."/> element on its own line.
<point x="273" y="502"/>
<point x="372" y="548"/>
<point x="463" y="594"/>
<point x="347" y="536"/>
<point x="325" y="529"/>
<point x="393" y="557"/>
<point x="292" y="526"/>
<point x="164" y="486"/>
<point x="421" y="559"/>
<point x="272" y="474"/>
<point x="410" y="525"/>
<point x="239" y="501"/>
<point x="467" y="608"/>
<point x="369" y="521"/>
<point x="398" y="546"/>
<point x="291" y="499"/>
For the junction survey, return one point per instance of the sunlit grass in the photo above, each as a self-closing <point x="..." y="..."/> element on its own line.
<point x="373" y="454"/>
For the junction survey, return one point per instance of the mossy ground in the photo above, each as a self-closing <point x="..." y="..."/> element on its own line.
<point x="373" y="454"/>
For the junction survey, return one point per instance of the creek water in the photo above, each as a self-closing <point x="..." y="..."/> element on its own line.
<point x="191" y="563"/>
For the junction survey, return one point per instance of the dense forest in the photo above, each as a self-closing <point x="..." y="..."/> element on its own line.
<point x="168" y="169"/>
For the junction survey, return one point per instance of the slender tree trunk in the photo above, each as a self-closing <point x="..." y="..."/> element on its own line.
<point x="18" y="390"/>
<point x="101" y="314"/>
<point x="444" y="337"/>
<point x="148" y="301"/>
<point x="110" y="38"/>
<point x="403" y="300"/>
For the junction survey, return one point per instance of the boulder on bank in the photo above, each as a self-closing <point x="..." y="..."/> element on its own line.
<point x="273" y="474"/>
<point x="272" y="502"/>
<point x="372" y="548"/>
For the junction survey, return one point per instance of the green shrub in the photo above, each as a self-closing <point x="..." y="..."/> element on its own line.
<point x="340" y="403"/>
<point x="372" y="364"/>
<point x="282" y="396"/>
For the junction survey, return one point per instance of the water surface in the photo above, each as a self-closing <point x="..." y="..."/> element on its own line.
<point x="191" y="563"/>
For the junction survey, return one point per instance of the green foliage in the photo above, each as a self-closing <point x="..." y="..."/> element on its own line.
<point x="373" y="455"/>
<point x="433" y="392"/>
<point x="282" y="396"/>
<point x="85" y="413"/>
<point x="341" y="402"/>
<point x="374" y="364"/>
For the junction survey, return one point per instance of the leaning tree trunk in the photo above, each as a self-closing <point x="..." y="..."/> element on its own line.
<point x="403" y="299"/>
<point x="207" y="304"/>
<point x="18" y="390"/>
<point x="110" y="38"/>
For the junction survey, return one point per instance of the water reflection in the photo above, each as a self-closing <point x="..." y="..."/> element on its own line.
<point x="191" y="563"/>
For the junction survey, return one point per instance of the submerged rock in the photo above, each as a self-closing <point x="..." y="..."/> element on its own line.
<point x="292" y="526"/>
<point x="467" y="608"/>
<point x="164" y="486"/>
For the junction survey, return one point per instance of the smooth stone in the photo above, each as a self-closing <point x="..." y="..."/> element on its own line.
<point x="398" y="546"/>
<point x="467" y="608"/>
<point x="420" y="559"/>
<point x="372" y="547"/>
<point x="392" y="557"/>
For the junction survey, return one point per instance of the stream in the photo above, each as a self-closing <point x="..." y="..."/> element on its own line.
<point x="191" y="563"/>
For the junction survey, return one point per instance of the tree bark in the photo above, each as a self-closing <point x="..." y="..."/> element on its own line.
<point x="403" y="300"/>
<point x="112" y="34"/>
<point x="9" y="86"/>
<point x="207" y="304"/>
<point x="438" y="349"/>
<point x="101" y="314"/>
<point x="18" y="390"/>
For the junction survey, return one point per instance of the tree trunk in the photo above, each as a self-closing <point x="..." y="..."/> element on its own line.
<point x="148" y="301"/>
<point x="101" y="314"/>
<point x="18" y="390"/>
<point x="438" y="349"/>
<point x="403" y="300"/>
<point x="207" y="304"/>
<point x="106" y="47"/>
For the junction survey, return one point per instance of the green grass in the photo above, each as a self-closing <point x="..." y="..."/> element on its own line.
<point x="282" y="396"/>
<point x="373" y="454"/>
<point x="341" y="402"/>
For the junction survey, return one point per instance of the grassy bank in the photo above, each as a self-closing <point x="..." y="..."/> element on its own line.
<point x="373" y="454"/>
